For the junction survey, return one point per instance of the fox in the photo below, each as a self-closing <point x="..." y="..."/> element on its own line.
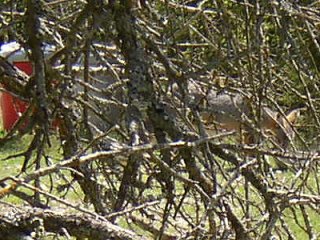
<point x="233" y="112"/>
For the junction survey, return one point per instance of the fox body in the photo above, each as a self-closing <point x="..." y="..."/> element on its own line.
<point x="232" y="111"/>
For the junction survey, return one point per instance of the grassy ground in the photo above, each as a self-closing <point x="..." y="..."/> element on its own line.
<point x="12" y="167"/>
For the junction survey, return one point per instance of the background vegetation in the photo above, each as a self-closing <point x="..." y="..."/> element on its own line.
<point x="113" y="146"/>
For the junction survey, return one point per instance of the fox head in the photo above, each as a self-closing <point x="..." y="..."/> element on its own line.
<point x="281" y="126"/>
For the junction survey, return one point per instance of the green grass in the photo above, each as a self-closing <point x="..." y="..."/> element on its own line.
<point x="12" y="166"/>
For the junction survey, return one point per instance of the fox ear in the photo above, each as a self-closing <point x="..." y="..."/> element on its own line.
<point x="293" y="115"/>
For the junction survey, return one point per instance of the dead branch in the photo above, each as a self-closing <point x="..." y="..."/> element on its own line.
<point x="26" y="220"/>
